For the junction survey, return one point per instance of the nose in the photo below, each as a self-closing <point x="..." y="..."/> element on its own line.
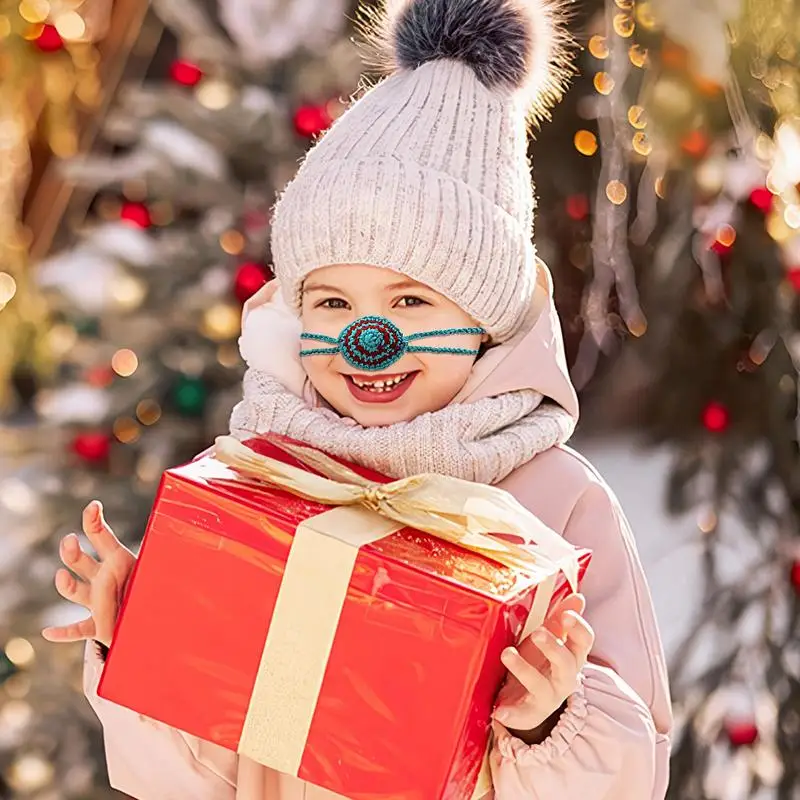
<point x="372" y="343"/>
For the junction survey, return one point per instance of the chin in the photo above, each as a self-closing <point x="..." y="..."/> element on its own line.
<point x="376" y="415"/>
<point x="380" y="418"/>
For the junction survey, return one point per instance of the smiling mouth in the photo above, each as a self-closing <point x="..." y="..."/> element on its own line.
<point x="379" y="390"/>
<point x="384" y="384"/>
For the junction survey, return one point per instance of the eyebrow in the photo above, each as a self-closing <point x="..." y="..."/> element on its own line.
<point x="321" y="287"/>
<point x="325" y="287"/>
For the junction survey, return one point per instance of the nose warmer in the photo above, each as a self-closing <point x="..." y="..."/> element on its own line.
<point x="373" y="343"/>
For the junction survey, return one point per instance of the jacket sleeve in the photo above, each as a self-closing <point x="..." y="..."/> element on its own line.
<point x="612" y="740"/>
<point x="151" y="761"/>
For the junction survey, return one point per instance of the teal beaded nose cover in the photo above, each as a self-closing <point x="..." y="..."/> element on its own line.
<point x="375" y="343"/>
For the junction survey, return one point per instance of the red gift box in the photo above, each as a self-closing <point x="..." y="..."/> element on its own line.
<point x="331" y="643"/>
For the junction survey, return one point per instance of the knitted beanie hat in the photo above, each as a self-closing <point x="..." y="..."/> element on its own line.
<point x="427" y="173"/>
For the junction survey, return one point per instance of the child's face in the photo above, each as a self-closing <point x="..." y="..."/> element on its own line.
<point x="335" y="296"/>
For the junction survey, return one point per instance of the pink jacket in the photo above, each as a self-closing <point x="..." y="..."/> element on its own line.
<point x="611" y="742"/>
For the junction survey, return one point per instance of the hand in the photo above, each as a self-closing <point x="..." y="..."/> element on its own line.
<point x="544" y="670"/>
<point x="100" y="585"/>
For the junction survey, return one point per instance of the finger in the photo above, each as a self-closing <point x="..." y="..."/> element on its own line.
<point x="531" y="678"/>
<point x="71" y="633"/>
<point x="79" y="562"/>
<point x="98" y="530"/>
<point x="580" y="638"/>
<point x="563" y="665"/>
<point x="105" y="606"/>
<point x="555" y="617"/>
<point x="70" y="588"/>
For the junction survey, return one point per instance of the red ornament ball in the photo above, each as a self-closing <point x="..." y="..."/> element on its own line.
<point x="136" y="214"/>
<point x="100" y="377"/>
<point x="794" y="575"/>
<point x="578" y="206"/>
<point x="716" y="417"/>
<point x="311" y="121"/>
<point x="793" y="276"/>
<point x="250" y="277"/>
<point x="49" y="40"/>
<point x="741" y="733"/>
<point x="93" y="446"/>
<point x="762" y="198"/>
<point x="185" y="73"/>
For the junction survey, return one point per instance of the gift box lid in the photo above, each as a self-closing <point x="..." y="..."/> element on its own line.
<point x="281" y="512"/>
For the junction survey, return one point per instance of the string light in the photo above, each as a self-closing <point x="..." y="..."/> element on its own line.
<point x="792" y="216"/>
<point x="128" y="292"/>
<point x="778" y="229"/>
<point x="641" y="144"/>
<point x="707" y="521"/>
<point x="214" y="94"/>
<point x="148" y="412"/>
<point x="637" y="324"/>
<point x="34" y="11"/>
<point x="598" y="46"/>
<point x="604" y="83"/>
<point x="617" y="192"/>
<point x="221" y="321"/>
<point x="232" y="242"/>
<point x="726" y="236"/>
<point x="624" y="25"/>
<point x="20" y="652"/>
<point x="126" y="430"/>
<point x="586" y="143"/>
<point x="124" y="362"/>
<point x="638" y="56"/>
<point x="645" y="16"/>
<point x="637" y="117"/>
<point x="71" y="26"/>
<point x="30" y="773"/>
<point x="8" y="288"/>
<point x="61" y="339"/>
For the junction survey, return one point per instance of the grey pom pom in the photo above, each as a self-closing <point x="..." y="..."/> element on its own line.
<point x="515" y="45"/>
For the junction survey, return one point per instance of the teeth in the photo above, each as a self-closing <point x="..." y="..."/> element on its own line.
<point x="380" y="386"/>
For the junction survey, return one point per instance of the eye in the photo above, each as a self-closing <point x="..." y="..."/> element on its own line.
<point x="411" y="300"/>
<point x="335" y="303"/>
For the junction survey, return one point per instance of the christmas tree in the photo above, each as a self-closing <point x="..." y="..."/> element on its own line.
<point x="682" y="316"/>
<point x="166" y="236"/>
<point x="669" y="213"/>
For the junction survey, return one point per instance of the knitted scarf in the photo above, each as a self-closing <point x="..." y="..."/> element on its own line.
<point x="482" y="441"/>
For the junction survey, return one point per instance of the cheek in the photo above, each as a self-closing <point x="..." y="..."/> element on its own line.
<point x="319" y="371"/>
<point x="445" y="376"/>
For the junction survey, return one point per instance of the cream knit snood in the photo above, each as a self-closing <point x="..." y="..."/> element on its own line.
<point x="483" y="441"/>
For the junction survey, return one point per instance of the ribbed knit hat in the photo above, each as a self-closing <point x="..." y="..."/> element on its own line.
<point x="427" y="173"/>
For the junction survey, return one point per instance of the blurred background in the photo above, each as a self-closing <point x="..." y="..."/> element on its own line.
<point x="141" y="148"/>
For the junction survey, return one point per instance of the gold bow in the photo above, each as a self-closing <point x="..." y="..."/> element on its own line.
<point x="455" y="510"/>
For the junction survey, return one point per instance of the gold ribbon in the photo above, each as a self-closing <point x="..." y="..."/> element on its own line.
<point x="320" y="565"/>
<point x="451" y="509"/>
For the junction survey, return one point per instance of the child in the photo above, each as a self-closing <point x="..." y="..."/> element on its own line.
<point x="412" y="329"/>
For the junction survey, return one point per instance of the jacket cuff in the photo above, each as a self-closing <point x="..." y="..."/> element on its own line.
<point x="569" y="725"/>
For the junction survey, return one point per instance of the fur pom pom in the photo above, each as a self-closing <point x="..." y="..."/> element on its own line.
<point x="520" y="46"/>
